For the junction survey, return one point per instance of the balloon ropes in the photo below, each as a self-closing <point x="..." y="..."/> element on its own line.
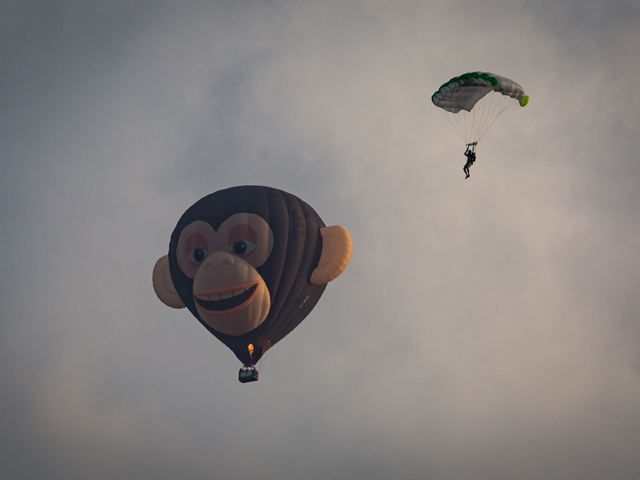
<point x="473" y="101"/>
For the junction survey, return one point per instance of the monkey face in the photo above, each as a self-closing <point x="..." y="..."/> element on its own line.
<point x="250" y="263"/>
<point x="228" y="292"/>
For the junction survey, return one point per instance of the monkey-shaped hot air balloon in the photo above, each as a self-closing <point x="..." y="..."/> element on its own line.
<point x="250" y="263"/>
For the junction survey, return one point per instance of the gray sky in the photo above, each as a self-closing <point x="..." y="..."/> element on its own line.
<point x="486" y="328"/>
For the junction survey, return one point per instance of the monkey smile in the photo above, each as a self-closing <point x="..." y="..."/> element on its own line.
<point x="228" y="300"/>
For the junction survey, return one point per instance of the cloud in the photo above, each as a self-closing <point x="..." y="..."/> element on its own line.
<point x="484" y="327"/>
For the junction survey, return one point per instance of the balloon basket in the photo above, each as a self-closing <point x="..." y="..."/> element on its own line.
<point x="248" y="374"/>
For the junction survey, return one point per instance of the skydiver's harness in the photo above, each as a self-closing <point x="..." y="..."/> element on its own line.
<point x="471" y="147"/>
<point x="470" y="152"/>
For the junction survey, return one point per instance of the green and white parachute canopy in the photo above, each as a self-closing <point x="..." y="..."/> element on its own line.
<point x="473" y="101"/>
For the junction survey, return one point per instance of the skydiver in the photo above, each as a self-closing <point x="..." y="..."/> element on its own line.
<point x="471" y="158"/>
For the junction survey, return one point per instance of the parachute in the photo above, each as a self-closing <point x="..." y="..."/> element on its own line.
<point x="473" y="101"/>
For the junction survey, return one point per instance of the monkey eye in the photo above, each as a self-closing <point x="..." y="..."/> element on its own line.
<point x="196" y="255"/>
<point x="242" y="247"/>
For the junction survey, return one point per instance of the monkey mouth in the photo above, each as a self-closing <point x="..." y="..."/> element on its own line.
<point x="227" y="300"/>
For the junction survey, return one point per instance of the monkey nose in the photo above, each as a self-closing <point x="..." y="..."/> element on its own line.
<point x="219" y="259"/>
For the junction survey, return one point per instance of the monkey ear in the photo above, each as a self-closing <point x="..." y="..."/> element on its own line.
<point x="335" y="256"/>
<point x="163" y="286"/>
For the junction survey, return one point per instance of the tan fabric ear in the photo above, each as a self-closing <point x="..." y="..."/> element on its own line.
<point x="163" y="286"/>
<point x="335" y="256"/>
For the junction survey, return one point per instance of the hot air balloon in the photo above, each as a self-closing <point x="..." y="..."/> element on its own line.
<point x="250" y="263"/>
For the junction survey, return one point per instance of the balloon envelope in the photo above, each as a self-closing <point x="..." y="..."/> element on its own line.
<point x="271" y="236"/>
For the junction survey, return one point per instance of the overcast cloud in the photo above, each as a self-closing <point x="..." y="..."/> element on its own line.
<point x="486" y="328"/>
